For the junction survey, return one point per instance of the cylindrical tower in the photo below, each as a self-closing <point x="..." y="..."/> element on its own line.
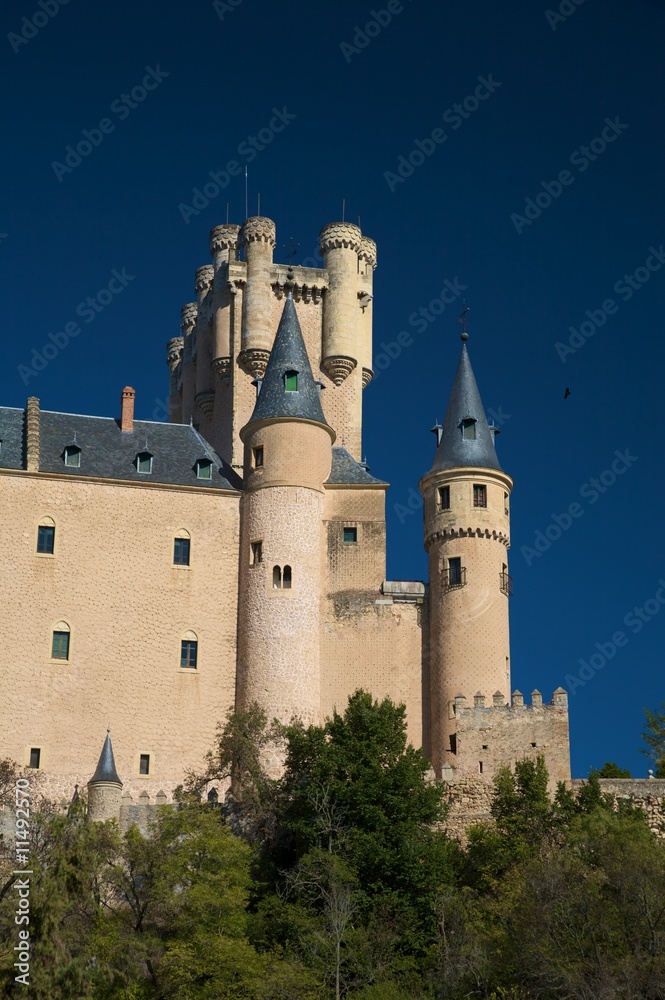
<point x="367" y="264"/>
<point x="174" y="349"/>
<point x="223" y="249"/>
<point x="203" y="345"/>
<point x="467" y="533"/>
<point x="105" y="787"/>
<point x="257" y="236"/>
<point x="340" y="245"/>
<point x="288" y="454"/>
<point x="188" y="330"/>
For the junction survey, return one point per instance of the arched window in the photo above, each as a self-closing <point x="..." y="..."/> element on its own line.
<point x="277" y="577"/>
<point x="60" y="641"/>
<point x="46" y="536"/>
<point x="181" y="548"/>
<point x="286" y="578"/>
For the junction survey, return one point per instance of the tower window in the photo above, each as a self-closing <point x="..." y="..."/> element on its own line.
<point x="35" y="757"/>
<point x="350" y="534"/>
<point x="480" y="766"/>
<point x="469" y="429"/>
<point x="46" y="539"/>
<point x="479" y="495"/>
<point x="257" y="457"/>
<point x="286" y="578"/>
<point x="143" y="463"/>
<point x="444" y="498"/>
<point x="188" y="653"/>
<point x="204" y="469"/>
<point x="60" y="645"/>
<point x="256" y="553"/>
<point x="144" y="763"/>
<point x="291" y="381"/>
<point x="181" y="551"/>
<point x="277" y="577"/>
<point x="453" y="743"/>
<point x="455" y="574"/>
<point x="505" y="503"/>
<point x="73" y="456"/>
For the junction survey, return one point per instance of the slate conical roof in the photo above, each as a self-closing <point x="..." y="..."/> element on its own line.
<point x="106" y="767"/>
<point x="455" y="450"/>
<point x="288" y="354"/>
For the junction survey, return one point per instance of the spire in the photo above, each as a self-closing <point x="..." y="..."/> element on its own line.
<point x="288" y="388"/>
<point x="106" y="767"/>
<point x="467" y="440"/>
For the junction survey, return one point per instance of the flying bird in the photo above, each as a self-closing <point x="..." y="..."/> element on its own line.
<point x="566" y="393"/>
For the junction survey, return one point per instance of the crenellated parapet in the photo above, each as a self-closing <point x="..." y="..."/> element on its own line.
<point x="188" y="318"/>
<point x="224" y="244"/>
<point x="447" y="534"/>
<point x="340" y="235"/>
<point x="174" y="349"/>
<point x="367" y="252"/>
<point x="258" y="229"/>
<point x="203" y="280"/>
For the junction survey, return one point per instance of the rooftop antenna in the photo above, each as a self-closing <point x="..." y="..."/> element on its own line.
<point x="343" y="208"/>
<point x="359" y="226"/>
<point x="462" y="319"/>
<point x="258" y="203"/>
<point x="227" y="213"/>
<point x="246" y="204"/>
<point x="292" y="249"/>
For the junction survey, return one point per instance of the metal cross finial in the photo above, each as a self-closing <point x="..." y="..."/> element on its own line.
<point x="462" y="319"/>
<point x="292" y="248"/>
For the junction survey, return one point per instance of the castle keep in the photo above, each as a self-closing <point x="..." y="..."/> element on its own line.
<point x="157" y="574"/>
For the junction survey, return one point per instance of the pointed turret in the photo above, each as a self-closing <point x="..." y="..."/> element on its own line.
<point x="106" y="765"/>
<point x="105" y="787"/>
<point x="467" y="440"/>
<point x="288" y="388"/>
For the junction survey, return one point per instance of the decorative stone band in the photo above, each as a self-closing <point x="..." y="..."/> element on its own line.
<point x="367" y="376"/>
<point x="204" y="279"/>
<point x="340" y="234"/>
<point x="258" y="229"/>
<point x="205" y="401"/>
<point x="338" y="368"/>
<point x="188" y="318"/>
<point x="254" y="362"/>
<point x="223" y="238"/>
<point x="368" y="250"/>
<point x="174" y="349"/>
<point x="304" y="293"/>
<point x="222" y="367"/>
<point x="445" y="535"/>
<point x="32" y="434"/>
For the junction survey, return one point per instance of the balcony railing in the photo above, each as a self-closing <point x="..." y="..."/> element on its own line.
<point x="506" y="584"/>
<point x="454" y="578"/>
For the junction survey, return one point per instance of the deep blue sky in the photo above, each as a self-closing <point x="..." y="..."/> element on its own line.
<point x="356" y="114"/>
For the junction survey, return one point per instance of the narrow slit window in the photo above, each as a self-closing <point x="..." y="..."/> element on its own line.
<point x="291" y="381"/>
<point x="453" y="743"/>
<point x="257" y="454"/>
<point x="444" y="497"/>
<point x="479" y="495"/>
<point x="35" y="757"/>
<point x="46" y="539"/>
<point x="256" y="553"/>
<point x="277" y="577"/>
<point x="286" y="578"/>
<point x="73" y="456"/>
<point x="189" y="649"/>
<point x="144" y="763"/>
<point x="480" y="766"/>
<point x="181" y="549"/>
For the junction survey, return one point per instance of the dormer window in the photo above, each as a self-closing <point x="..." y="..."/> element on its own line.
<point x="469" y="429"/>
<point x="72" y="456"/>
<point x="204" y="469"/>
<point x="143" y="462"/>
<point x="291" y="381"/>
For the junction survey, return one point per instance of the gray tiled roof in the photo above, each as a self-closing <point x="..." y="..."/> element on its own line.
<point x="109" y="453"/>
<point x="454" y="450"/>
<point x="345" y="469"/>
<point x="106" y="767"/>
<point x="288" y="354"/>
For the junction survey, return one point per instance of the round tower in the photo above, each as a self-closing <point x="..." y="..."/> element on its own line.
<point x="367" y="265"/>
<point x="223" y="250"/>
<point x="257" y="236"/>
<point x="105" y="787"/>
<point x="466" y="497"/>
<point x="203" y="344"/>
<point x="188" y="331"/>
<point x="174" y="349"/>
<point x="340" y="246"/>
<point x="288" y="455"/>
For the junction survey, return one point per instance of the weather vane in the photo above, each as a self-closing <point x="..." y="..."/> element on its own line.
<point x="292" y="248"/>
<point x="462" y="319"/>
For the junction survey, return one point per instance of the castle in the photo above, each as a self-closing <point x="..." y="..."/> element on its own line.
<point x="157" y="574"/>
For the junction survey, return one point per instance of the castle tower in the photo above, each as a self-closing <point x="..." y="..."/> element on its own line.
<point x="105" y="787"/>
<point x="288" y="456"/>
<point x="467" y="533"/>
<point x="257" y="236"/>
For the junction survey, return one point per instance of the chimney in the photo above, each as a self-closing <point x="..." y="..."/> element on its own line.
<point x="32" y="434"/>
<point x="127" y="409"/>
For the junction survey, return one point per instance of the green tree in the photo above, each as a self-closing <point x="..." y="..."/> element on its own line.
<point x="654" y="737"/>
<point x="610" y="770"/>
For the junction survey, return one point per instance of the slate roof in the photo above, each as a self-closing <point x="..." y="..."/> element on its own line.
<point x="106" y="767"/>
<point x="345" y="470"/>
<point x="455" y="451"/>
<point x="288" y="354"/>
<point x="109" y="453"/>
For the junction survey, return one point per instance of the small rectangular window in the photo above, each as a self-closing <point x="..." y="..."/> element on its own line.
<point x="256" y="553"/>
<point x="60" y="646"/>
<point x="181" y="551"/>
<point x="188" y="653"/>
<point x="73" y="457"/>
<point x="350" y="534"/>
<point x="257" y="454"/>
<point x="291" y="381"/>
<point x="204" y="469"/>
<point x="444" y="497"/>
<point x="453" y="743"/>
<point x="144" y="763"/>
<point x="455" y="571"/>
<point x="479" y="495"/>
<point x="469" y="429"/>
<point x="144" y="463"/>
<point x="480" y="766"/>
<point x="45" y="538"/>
<point x="35" y="757"/>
